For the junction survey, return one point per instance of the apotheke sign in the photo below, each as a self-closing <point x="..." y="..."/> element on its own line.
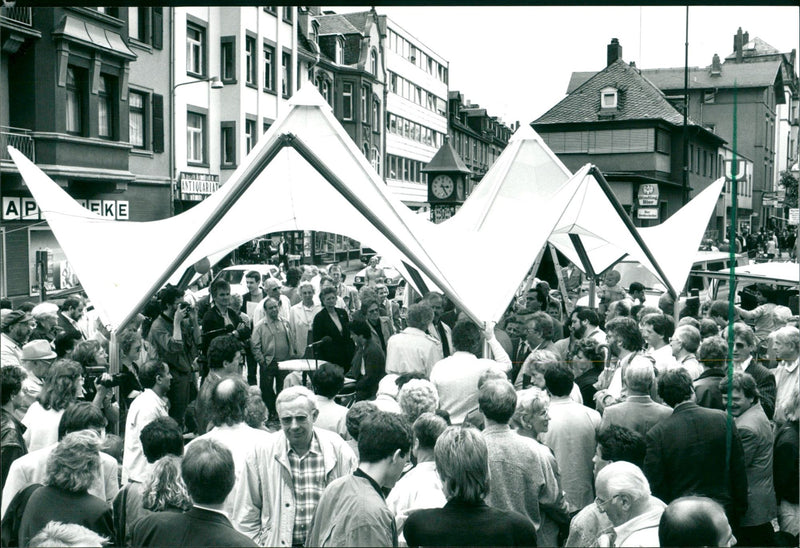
<point x="16" y="208"/>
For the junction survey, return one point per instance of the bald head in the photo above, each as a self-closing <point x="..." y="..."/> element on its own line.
<point x="228" y="401"/>
<point x="694" y="521"/>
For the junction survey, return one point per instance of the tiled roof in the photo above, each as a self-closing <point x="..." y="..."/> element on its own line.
<point x="358" y="20"/>
<point x="638" y="99"/>
<point x="335" y="24"/>
<point x="446" y="159"/>
<point x="755" y="47"/>
<point x="745" y="75"/>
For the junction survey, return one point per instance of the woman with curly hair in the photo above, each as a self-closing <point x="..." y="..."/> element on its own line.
<point x="62" y="386"/>
<point x="65" y="498"/>
<point x="587" y="365"/>
<point x="164" y="490"/>
<point x="130" y="348"/>
<point x="416" y="397"/>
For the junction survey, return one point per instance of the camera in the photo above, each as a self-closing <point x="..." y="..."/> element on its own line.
<point x="184" y="305"/>
<point x="93" y="372"/>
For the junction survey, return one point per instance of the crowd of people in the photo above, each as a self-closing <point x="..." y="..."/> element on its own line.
<point x="759" y="244"/>
<point x="418" y="427"/>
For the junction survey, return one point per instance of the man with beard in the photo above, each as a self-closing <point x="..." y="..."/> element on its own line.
<point x="588" y="326"/>
<point x="71" y="312"/>
<point x="16" y="327"/>
<point x="625" y="342"/>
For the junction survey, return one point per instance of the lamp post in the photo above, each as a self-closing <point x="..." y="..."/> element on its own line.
<point x="216" y="83"/>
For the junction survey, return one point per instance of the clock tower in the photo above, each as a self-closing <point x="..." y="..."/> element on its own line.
<point x="447" y="182"/>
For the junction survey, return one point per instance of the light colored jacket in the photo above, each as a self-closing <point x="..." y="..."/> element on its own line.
<point x="262" y="341"/>
<point x="269" y="489"/>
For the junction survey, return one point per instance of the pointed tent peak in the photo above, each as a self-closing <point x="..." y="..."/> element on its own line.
<point x="308" y="96"/>
<point x="446" y="159"/>
<point x="525" y="132"/>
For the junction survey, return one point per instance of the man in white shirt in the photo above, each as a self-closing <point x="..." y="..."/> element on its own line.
<point x="328" y="381"/>
<point x="657" y="329"/>
<point x="301" y="316"/>
<point x="228" y="401"/>
<point x="146" y="407"/>
<point x="413" y="350"/>
<point x="787" y="374"/>
<point x="456" y="377"/>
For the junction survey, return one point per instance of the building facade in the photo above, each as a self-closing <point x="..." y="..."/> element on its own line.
<point x="76" y="100"/>
<point x="478" y="138"/>
<point x="619" y="121"/>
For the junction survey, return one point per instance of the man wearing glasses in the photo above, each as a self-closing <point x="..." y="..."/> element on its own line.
<point x="286" y="477"/>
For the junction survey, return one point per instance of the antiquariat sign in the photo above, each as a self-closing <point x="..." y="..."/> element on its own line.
<point x="197" y="186"/>
<point x="648" y="196"/>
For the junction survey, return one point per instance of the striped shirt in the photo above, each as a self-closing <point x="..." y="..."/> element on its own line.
<point x="308" y="478"/>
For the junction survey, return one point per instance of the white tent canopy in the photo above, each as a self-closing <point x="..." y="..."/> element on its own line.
<point x="307" y="174"/>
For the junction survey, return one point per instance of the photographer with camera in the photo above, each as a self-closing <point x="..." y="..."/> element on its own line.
<point x="171" y="338"/>
<point x="98" y="383"/>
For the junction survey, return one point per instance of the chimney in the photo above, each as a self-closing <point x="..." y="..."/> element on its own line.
<point x="737" y="45"/>
<point x="745" y="39"/>
<point x="613" y="51"/>
<point x="716" y="66"/>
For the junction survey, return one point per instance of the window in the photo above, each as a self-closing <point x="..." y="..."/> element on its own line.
<point x="195" y="49"/>
<point x="137" y="120"/>
<point x="373" y="62"/>
<point x="376" y="116"/>
<point x="75" y="95"/>
<point x="287" y="14"/>
<point x="251" y="137"/>
<point x="266" y="125"/>
<point x="195" y="138"/>
<point x="339" y="54"/>
<point x="228" y="144"/>
<point x="105" y="107"/>
<point x="709" y="96"/>
<point x="250" y="60"/>
<point x="269" y="67"/>
<point x="139" y="24"/>
<point x="608" y="98"/>
<point x="286" y="74"/>
<point x="347" y="101"/>
<point x="325" y="90"/>
<point x="271" y="9"/>
<point x="376" y="160"/>
<point x="365" y="104"/>
<point x="228" y="59"/>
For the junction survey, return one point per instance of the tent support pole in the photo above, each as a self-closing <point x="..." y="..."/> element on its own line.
<point x="587" y="266"/>
<point x="356" y="202"/>
<point x="247" y="179"/>
<point x="629" y="224"/>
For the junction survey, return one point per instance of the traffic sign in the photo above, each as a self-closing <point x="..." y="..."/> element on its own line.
<point x="794" y="216"/>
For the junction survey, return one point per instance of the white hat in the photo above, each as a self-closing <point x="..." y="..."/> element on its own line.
<point x="46" y="308"/>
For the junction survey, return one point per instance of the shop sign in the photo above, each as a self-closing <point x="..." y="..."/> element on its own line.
<point x="196" y="186"/>
<point x="647" y="213"/>
<point x="648" y="194"/>
<point x="16" y="208"/>
<point x="794" y="216"/>
<point x="440" y="213"/>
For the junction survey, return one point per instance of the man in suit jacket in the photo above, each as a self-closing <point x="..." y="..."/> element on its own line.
<point x="755" y="529"/>
<point x="68" y="316"/>
<point x="220" y="319"/>
<point x="208" y="472"/>
<point x="438" y="329"/>
<point x="638" y="411"/>
<point x="686" y="451"/>
<point x="744" y="345"/>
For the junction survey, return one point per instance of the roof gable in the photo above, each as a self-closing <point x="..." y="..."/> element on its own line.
<point x="446" y="159"/>
<point x="335" y="24"/>
<point x="743" y="75"/>
<point x="638" y="99"/>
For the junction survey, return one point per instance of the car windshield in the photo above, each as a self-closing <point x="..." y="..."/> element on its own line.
<point x="634" y="272"/>
<point x="233" y="277"/>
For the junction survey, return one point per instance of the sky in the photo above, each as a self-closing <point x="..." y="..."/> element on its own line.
<point x="516" y="61"/>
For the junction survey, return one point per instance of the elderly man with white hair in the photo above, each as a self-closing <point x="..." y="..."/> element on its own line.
<point x="684" y="343"/>
<point x="623" y="494"/>
<point x="637" y="412"/>
<point x="46" y="316"/>
<point x="286" y="477"/>
<point x="787" y="374"/>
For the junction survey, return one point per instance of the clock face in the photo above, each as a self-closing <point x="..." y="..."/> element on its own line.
<point x="442" y="186"/>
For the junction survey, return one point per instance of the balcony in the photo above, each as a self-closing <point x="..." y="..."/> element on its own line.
<point x="19" y="15"/>
<point x="21" y="139"/>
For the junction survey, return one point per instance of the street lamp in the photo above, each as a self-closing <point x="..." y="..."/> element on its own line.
<point x="216" y="83"/>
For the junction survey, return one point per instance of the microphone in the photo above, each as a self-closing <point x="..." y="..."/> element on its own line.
<point x="323" y="340"/>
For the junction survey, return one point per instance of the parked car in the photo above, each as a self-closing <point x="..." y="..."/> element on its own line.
<point x="633" y="271"/>
<point x="234" y="275"/>
<point x="392" y="278"/>
<point x="782" y="277"/>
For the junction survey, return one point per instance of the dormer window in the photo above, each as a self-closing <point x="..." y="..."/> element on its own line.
<point x="314" y="32"/>
<point x="373" y="62"/>
<point x="339" y="50"/>
<point x="608" y="98"/>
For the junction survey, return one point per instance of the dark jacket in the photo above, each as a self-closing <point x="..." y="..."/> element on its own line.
<point x="767" y="388"/>
<point x="214" y="325"/>
<point x="340" y="349"/>
<point x="706" y="388"/>
<point x="197" y="527"/>
<point x="66" y="326"/>
<point x="54" y="504"/>
<point x="686" y="455"/>
<point x="786" y="461"/>
<point x="465" y="524"/>
<point x="374" y="369"/>
<point x="12" y="446"/>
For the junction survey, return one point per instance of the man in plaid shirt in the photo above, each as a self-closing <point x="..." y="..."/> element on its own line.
<point x="285" y="480"/>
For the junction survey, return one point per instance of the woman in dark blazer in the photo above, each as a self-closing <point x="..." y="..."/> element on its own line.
<point x="369" y="363"/>
<point x="332" y="322"/>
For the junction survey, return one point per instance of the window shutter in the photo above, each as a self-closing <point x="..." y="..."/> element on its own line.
<point x="158" y="123"/>
<point x="158" y="28"/>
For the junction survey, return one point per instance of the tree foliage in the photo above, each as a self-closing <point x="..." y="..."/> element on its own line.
<point x="789" y="183"/>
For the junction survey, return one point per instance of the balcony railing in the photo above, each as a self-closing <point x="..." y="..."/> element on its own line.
<point x="20" y="15"/>
<point x="21" y="139"/>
